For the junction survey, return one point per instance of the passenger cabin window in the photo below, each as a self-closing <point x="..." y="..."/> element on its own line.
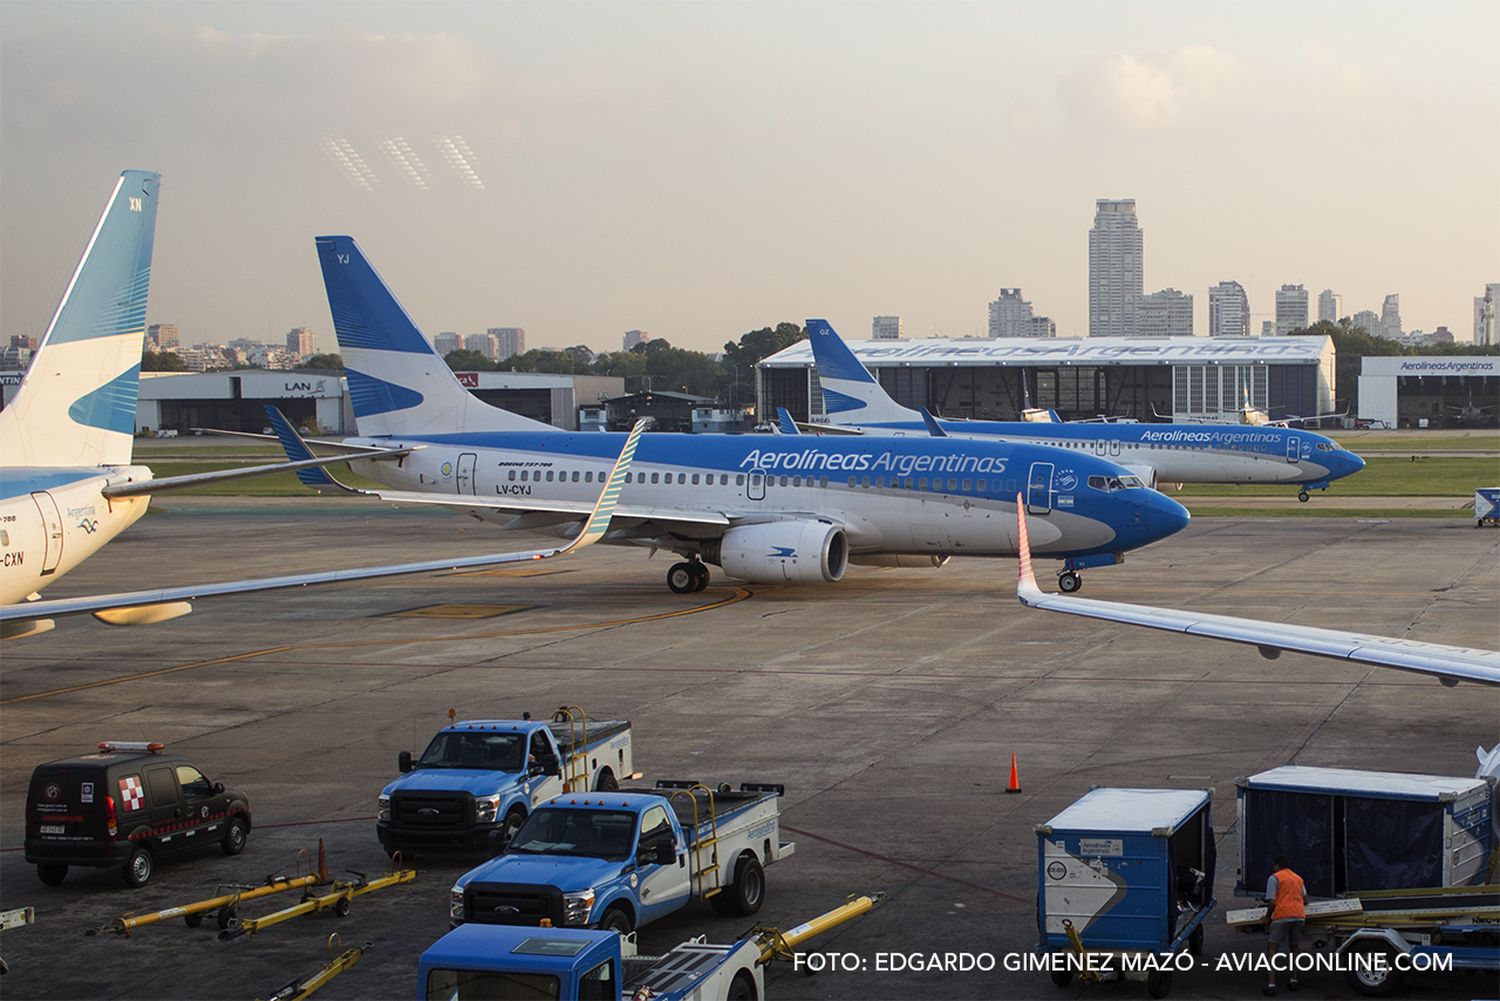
<point x="575" y="476"/>
<point x="695" y="479"/>
<point x="655" y="477"/>
<point x="739" y="479"/>
<point x="512" y="474"/>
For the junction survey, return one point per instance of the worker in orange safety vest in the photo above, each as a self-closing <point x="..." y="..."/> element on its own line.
<point x="1286" y="898"/>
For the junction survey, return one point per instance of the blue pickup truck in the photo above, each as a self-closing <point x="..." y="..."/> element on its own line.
<point x="620" y="860"/>
<point x="478" y="780"/>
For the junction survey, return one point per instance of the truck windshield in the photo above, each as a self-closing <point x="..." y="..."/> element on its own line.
<point x="606" y="834"/>
<point x="461" y="985"/>
<point x="499" y="752"/>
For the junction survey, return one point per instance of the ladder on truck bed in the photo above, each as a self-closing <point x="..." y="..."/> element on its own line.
<point x="576" y="759"/>
<point x="703" y="869"/>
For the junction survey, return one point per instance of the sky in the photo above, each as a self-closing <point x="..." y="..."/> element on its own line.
<point x="698" y="170"/>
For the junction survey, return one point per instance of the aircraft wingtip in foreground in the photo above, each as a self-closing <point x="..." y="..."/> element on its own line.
<point x="1449" y="664"/>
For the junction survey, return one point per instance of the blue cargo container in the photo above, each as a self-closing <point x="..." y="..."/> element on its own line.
<point x="1132" y="871"/>
<point x="1345" y="830"/>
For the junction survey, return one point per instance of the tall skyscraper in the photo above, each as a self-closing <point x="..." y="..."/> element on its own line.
<point x="1267" y="328"/>
<point x="1168" y="313"/>
<point x="1484" y="314"/>
<point x="1291" y="309"/>
<point x="1115" y="268"/>
<point x="165" y="336"/>
<point x="1390" y="316"/>
<point x="447" y="341"/>
<point x="486" y="344"/>
<point x="508" y="341"/>
<point x="1011" y="316"/>
<point x="886" y="328"/>
<point x="634" y="337"/>
<point x="1366" y="320"/>
<point x="1228" y="310"/>
<point x="301" y="342"/>
<point x="1330" y="305"/>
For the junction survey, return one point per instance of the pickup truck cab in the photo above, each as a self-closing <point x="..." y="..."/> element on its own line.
<point x="128" y="805"/>
<point x="479" y="961"/>
<point x="478" y="780"/>
<point x="623" y="859"/>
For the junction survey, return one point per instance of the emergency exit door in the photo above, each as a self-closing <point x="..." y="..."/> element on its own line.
<point x="52" y="530"/>
<point x="466" y="462"/>
<point x="1039" y="489"/>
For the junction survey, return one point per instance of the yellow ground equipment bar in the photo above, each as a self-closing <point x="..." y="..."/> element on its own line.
<point x="18" y="917"/>
<point x="337" y="963"/>
<point x="339" y="901"/>
<point x="227" y="903"/>
<point x="776" y="944"/>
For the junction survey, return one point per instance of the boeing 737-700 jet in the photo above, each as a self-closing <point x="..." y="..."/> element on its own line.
<point x="1174" y="453"/>
<point x="763" y="508"/>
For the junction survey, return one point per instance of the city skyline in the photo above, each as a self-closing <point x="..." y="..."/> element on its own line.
<point x="462" y="152"/>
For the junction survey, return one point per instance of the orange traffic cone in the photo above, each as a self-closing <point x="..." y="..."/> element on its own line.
<point x="1014" y="785"/>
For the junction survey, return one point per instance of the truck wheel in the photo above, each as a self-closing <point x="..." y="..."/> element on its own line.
<point x="235" y="837"/>
<point x="138" y="868"/>
<point x="742" y="988"/>
<point x="617" y="920"/>
<point x="513" y="821"/>
<point x="1061" y="978"/>
<point x="1159" y="983"/>
<point x="748" y="891"/>
<point x="606" y="782"/>
<point x="193" y="920"/>
<point x="51" y="873"/>
<point x="1375" y="983"/>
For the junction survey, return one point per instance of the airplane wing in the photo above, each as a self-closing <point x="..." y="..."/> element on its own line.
<point x="137" y="487"/>
<point x="1450" y="664"/>
<point x="933" y="427"/>
<point x="144" y="607"/>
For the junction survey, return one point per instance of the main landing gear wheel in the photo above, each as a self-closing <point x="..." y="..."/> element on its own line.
<point x="701" y="572"/>
<point x="682" y="578"/>
<point x="1069" y="581"/>
<point x="1303" y="495"/>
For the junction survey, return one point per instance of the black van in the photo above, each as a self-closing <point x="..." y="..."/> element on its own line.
<point x="127" y="805"/>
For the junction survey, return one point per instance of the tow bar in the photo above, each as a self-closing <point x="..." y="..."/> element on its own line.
<point x="775" y="944"/>
<point x="339" y="901"/>
<point x="299" y="989"/>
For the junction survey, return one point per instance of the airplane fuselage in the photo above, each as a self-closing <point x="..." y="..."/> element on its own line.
<point x="51" y="520"/>
<point x="910" y="496"/>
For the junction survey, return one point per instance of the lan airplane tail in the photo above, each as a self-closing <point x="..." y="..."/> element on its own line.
<point x="76" y="404"/>
<point x="851" y="395"/>
<point x="398" y="384"/>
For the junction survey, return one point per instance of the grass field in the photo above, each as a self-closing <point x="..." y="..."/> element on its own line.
<point x="1461" y="440"/>
<point x="1384" y="476"/>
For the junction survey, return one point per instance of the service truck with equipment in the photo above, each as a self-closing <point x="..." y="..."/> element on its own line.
<point x="479" y="779"/>
<point x="620" y="860"/>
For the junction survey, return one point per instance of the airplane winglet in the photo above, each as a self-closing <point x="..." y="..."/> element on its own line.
<point x="933" y="427"/>
<point x="297" y="450"/>
<point x="597" y="524"/>
<point x="1027" y="590"/>
<point x="784" y="422"/>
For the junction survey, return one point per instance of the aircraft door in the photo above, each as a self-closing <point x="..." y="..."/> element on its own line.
<point x="1293" y="448"/>
<point x="1114" y="447"/>
<point x="755" y="486"/>
<point x="1099" y="447"/>
<point x="466" y="462"/>
<point x="52" y="530"/>
<point x="1039" y="489"/>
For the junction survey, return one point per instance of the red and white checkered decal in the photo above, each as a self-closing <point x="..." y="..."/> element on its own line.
<point x="132" y="796"/>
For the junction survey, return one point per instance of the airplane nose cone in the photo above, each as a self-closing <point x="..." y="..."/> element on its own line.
<point x="1355" y="464"/>
<point x="1163" y="517"/>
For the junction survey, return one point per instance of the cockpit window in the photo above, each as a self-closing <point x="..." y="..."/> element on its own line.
<point x="1328" y="446"/>
<point x="1113" y="483"/>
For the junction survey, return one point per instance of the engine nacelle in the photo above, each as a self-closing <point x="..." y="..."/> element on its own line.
<point x="908" y="561"/>
<point x="802" y="552"/>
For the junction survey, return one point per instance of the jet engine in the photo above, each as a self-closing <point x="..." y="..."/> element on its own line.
<point x="800" y="552"/>
<point x="899" y="560"/>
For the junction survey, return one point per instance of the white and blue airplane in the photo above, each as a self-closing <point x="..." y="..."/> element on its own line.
<point x="1178" y="453"/>
<point x="764" y="509"/>
<point x="67" y="482"/>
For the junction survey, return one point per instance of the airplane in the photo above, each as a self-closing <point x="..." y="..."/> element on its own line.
<point x="67" y="481"/>
<point x="160" y="604"/>
<point x="1469" y="413"/>
<point x="787" y="508"/>
<point x="1181" y="453"/>
<point x="1450" y="664"/>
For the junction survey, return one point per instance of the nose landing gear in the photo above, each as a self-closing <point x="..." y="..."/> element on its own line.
<point x="687" y="577"/>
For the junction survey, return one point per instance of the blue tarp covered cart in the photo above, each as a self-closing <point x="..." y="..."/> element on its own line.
<point x="1345" y="830"/>
<point x="1128" y="873"/>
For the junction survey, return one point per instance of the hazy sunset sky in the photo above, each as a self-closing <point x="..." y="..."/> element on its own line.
<point x="702" y="169"/>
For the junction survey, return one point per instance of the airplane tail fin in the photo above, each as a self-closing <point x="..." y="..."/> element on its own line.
<point x="76" y="404"/>
<point x="851" y="395"/>
<point x="398" y="384"/>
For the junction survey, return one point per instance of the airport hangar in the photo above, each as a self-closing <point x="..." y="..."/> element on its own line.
<point x="1186" y="378"/>
<point x="235" y="400"/>
<point x="1401" y="391"/>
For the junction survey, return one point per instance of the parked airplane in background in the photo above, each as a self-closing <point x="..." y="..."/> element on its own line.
<point x="1178" y="453"/>
<point x="1450" y="664"/>
<point x="765" y="509"/>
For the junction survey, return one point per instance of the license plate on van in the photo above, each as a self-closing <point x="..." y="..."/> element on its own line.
<point x="54" y="829"/>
